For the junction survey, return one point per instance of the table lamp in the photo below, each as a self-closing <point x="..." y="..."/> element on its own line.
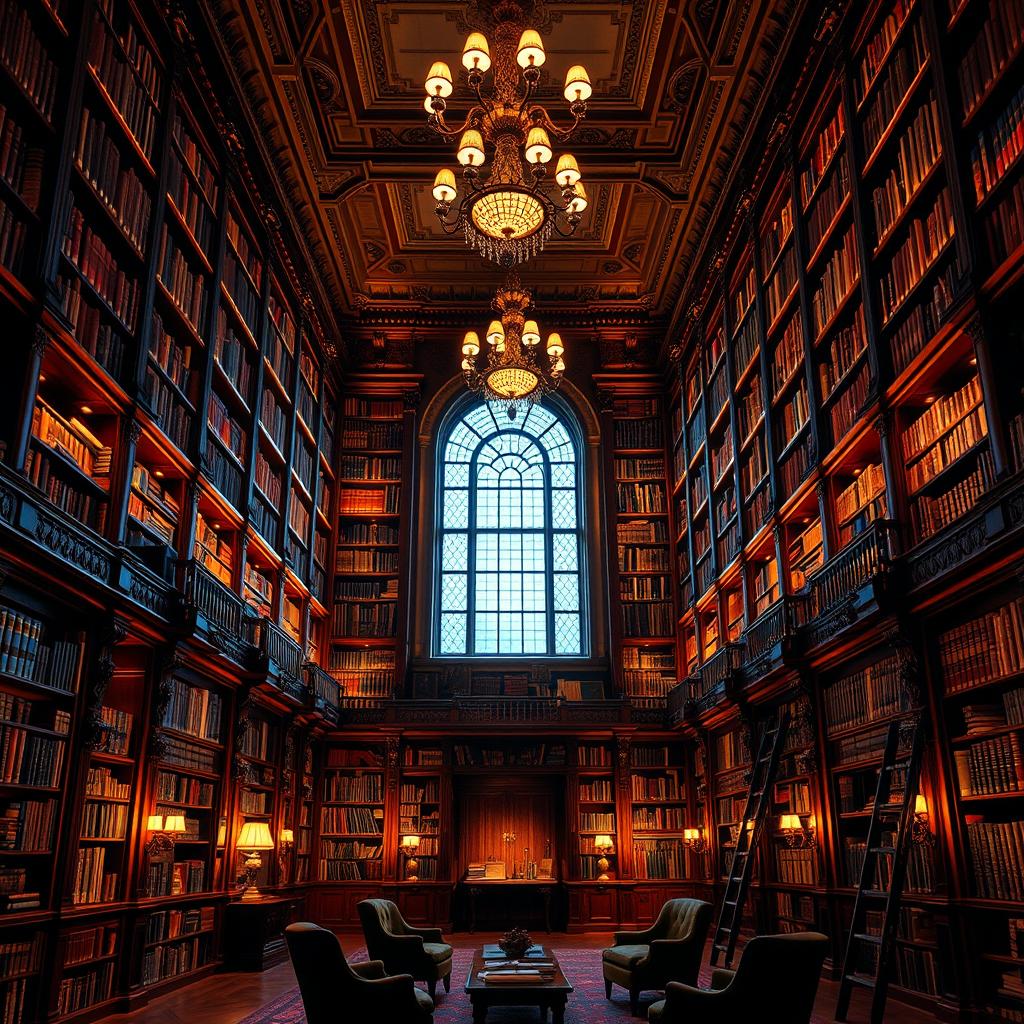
<point x="410" y="844"/>
<point x="254" y="837"/>
<point x="603" y="845"/>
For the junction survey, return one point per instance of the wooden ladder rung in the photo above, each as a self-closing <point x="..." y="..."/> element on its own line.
<point x="874" y="940"/>
<point x="859" y="979"/>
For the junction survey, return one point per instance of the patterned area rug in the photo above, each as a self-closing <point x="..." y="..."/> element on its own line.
<point x="587" y="1005"/>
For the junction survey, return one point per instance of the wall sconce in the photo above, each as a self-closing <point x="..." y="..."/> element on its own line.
<point x="796" y="834"/>
<point x="163" y="830"/>
<point x="254" y="837"/>
<point x="921" y="833"/>
<point x="693" y="838"/>
<point x="285" y="842"/>
<point x="287" y="839"/>
<point x="410" y="844"/>
<point x="603" y="845"/>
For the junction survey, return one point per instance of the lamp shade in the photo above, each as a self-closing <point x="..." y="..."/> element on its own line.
<point x="531" y="49"/>
<point x="439" y="79"/>
<point x="410" y="842"/>
<point x="568" y="171"/>
<point x="920" y="804"/>
<point x="471" y="148"/>
<point x="255" y="835"/>
<point x="174" y="823"/>
<point x="495" y="333"/>
<point x="555" y="346"/>
<point x="691" y="835"/>
<point x="577" y="84"/>
<point x="603" y="843"/>
<point x="444" y="186"/>
<point x="578" y="203"/>
<point x="476" y="54"/>
<point x="790" y="823"/>
<point x="531" y="333"/>
<point x="538" y="146"/>
<point x="471" y="344"/>
<point x="287" y="835"/>
<point x="155" y="823"/>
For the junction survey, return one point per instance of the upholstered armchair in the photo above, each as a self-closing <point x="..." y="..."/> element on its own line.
<point x="775" y="983"/>
<point x="333" y="990"/>
<point x="670" y="950"/>
<point x="421" y="952"/>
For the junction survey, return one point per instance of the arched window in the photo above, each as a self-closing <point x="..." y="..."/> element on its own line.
<point x="509" y="535"/>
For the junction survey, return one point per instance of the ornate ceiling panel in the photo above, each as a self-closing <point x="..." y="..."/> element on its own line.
<point x="335" y="86"/>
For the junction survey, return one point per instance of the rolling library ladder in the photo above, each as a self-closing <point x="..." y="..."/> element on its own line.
<point x="897" y="760"/>
<point x="762" y="777"/>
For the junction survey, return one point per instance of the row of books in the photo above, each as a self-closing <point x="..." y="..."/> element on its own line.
<point x="27" y="825"/>
<point x="244" y="298"/>
<point x="185" y="285"/>
<point x="642" y="620"/>
<point x="778" y="231"/>
<point x="997" y="850"/>
<point x="369" y="500"/>
<point x="351" y="820"/>
<point x="365" y="467"/>
<point x="658" y="858"/>
<point x="861" y="492"/>
<point x="360" y="787"/>
<point x="929" y="514"/>
<point x="337" y="849"/>
<point x="93" y="330"/>
<point x="233" y="355"/>
<point x="920" y="876"/>
<point x="85" y="988"/>
<point x="596" y="791"/>
<point x="102" y="782"/>
<point x="92" y="258"/>
<point x="187" y="198"/>
<point x="658" y="819"/>
<point x="172" y="414"/>
<point x="644" y="588"/>
<point x="365" y="620"/>
<point x="92" y="883"/>
<point x="639" y="433"/>
<point x="664" y="786"/>
<point x="920" y="147"/>
<point x="12" y="239"/>
<point x="351" y="560"/>
<point x="349" y="870"/>
<point x="840" y="276"/>
<point x="366" y="590"/>
<point x="983" y="649"/>
<point x="876" y="49"/>
<point x="28" y="759"/>
<point x="104" y="820"/>
<point x="170" y="924"/>
<point x="596" y="821"/>
<point x="780" y="286"/>
<point x="795" y="866"/>
<point x="170" y="961"/>
<point x="194" y="710"/>
<point x="826" y="205"/>
<point x="87" y="944"/>
<point x="175" y="878"/>
<point x="121" y="189"/>
<point x="25" y="57"/>
<point x="893" y="86"/>
<point x="992" y="50"/>
<point x="788" y="355"/>
<point x="990" y="766"/>
<point x="825" y="147"/>
<point x="927" y="237"/>
<point x="170" y="354"/>
<point x="371" y="435"/>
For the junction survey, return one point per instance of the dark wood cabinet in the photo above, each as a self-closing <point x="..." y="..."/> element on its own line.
<point x="254" y="932"/>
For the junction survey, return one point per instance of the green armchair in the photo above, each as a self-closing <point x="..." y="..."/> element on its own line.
<point x="421" y="952"/>
<point x="775" y="983"/>
<point x="670" y="950"/>
<point x="332" y="989"/>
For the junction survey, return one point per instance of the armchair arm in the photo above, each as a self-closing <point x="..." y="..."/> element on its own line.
<point x="427" y="934"/>
<point x="684" y="1002"/>
<point x="370" y="969"/>
<point x="666" y="954"/>
<point x="405" y="943"/>
<point x="633" y="938"/>
<point x="721" y="977"/>
<point x="394" y="996"/>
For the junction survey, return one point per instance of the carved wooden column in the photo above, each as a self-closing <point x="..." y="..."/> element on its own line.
<point x="895" y="498"/>
<point x="624" y="807"/>
<point x="1002" y="463"/>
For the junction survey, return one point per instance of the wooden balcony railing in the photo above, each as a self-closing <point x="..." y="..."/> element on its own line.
<point x="324" y="691"/>
<point x="678" y="699"/>
<point x="223" y="609"/>
<point x="718" y="670"/>
<point x="861" y="561"/>
<point x="779" y="624"/>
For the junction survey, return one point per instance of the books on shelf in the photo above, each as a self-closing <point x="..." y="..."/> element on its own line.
<point x="997" y="853"/>
<point x="644" y="433"/>
<point x="194" y="710"/>
<point x="990" y="766"/>
<point x="997" y="42"/>
<point x="900" y="72"/>
<point x="876" y="50"/>
<point x="658" y="858"/>
<point x="839" y="278"/>
<point x="185" y="285"/>
<point x="788" y="355"/>
<point x="805" y="554"/>
<point x="25" y="57"/>
<point x="95" y="330"/>
<point x="92" y="882"/>
<point x="27" y="825"/>
<point x="826" y="144"/>
<point x="861" y="501"/>
<point x="983" y="649"/>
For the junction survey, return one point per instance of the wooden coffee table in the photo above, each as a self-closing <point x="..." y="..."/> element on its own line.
<point x="548" y="995"/>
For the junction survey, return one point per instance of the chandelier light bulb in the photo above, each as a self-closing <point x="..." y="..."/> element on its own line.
<point x="538" y="146"/>
<point x="466" y="365"/>
<point x="471" y="344"/>
<point x="555" y="346"/>
<point x="577" y="84"/>
<point x="439" y="80"/>
<point x="428" y="104"/>
<point x="567" y="173"/>
<point x="471" y="149"/>
<point x="531" y="50"/>
<point x="476" y="55"/>
<point x="496" y="333"/>
<point x="444" y="186"/>
<point x="531" y="333"/>
<point x="578" y="203"/>
<point x="559" y="366"/>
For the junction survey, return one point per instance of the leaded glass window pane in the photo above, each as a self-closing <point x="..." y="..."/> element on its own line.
<point x="508" y="577"/>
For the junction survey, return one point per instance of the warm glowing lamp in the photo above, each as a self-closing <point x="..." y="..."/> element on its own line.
<point x="531" y="333"/>
<point x="567" y="173"/>
<point x="439" y="79"/>
<point x="476" y="54"/>
<point x="603" y="845"/>
<point x="155" y="823"/>
<point x="444" y="189"/>
<point x="287" y="837"/>
<point x="495" y="333"/>
<point x="471" y="148"/>
<point x="555" y="346"/>
<point x="254" y="838"/>
<point x="471" y="344"/>
<point x="410" y="844"/>
<point x="577" y="84"/>
<point x="175" y="824"/>
<point x="538" y="146"/>
<point x="531" y="50"/>
<point x="578" y="203"/>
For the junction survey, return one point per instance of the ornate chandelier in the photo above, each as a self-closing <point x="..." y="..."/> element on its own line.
<point x="512" y="373"/>
<point x="509" y="216"/>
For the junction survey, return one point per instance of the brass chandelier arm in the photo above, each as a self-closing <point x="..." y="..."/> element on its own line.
<point x="539" y="116"/>
<point x="474" y="119"/>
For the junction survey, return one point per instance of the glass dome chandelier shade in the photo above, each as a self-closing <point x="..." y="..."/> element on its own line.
<point x="512" y="372"/>
<point x="506" y="210"/>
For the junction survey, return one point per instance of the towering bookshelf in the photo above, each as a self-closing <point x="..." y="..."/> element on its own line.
<point x="596" y="810"/>
<point x="643" y="562"/>
<point x="420" y="807"/>
<point x="658" y="810"/>
<point x="259" y="796"/>
<point x="730" y="762"/>
<point x="352" y="826"/>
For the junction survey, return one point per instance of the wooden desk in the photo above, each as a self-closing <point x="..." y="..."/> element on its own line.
<point x="548" y="995"/>
<point x="254" y="932"/>
<point x="544" y="887"/>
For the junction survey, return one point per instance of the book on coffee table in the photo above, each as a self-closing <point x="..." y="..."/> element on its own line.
<point x="492" y="951"/>
<point x="510" y="977"/>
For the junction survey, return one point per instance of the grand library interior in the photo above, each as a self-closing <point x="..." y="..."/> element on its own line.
<point x="511" y="510"/>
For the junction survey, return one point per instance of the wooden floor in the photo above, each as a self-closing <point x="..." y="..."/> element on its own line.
<point x="228" y="998"/>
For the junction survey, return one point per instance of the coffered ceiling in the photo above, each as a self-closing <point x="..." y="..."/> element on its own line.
<point x="334" y="87"/>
